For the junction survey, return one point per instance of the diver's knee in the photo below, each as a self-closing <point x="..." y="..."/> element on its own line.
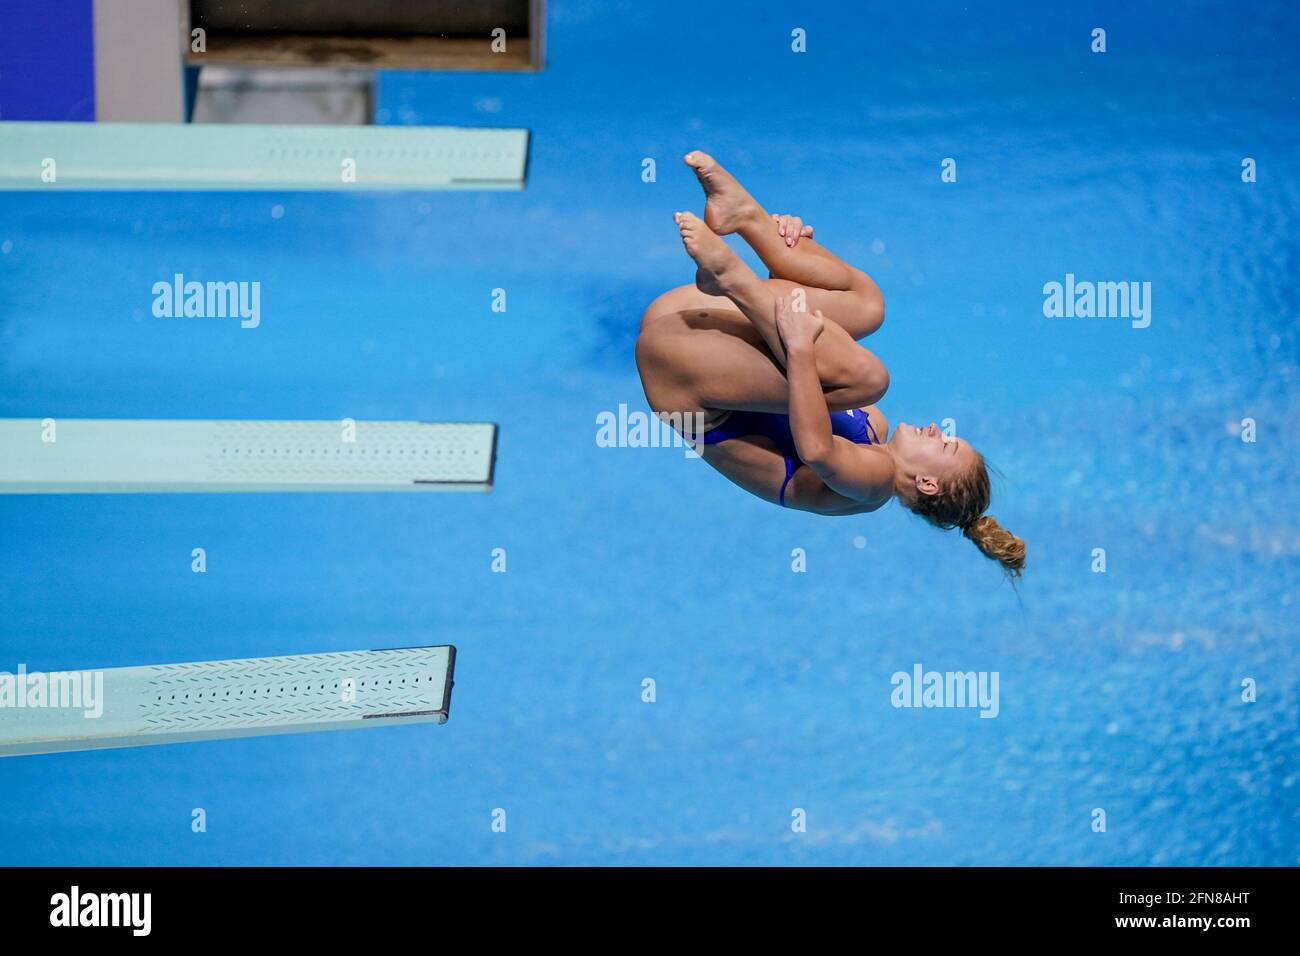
<point x="875" y="313"/>
<point x="877" y="383"/>
<point x="869" y="377"/>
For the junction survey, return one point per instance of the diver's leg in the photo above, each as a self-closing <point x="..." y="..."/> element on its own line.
<point x="850" y="297"/>
<point x="841" y="362"/>
<point x="700" y="361"/>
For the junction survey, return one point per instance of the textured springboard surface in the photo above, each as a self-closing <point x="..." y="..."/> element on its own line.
<point x="169" y="156"/>
<point x="143" y="455"/>
<point x="210" y="700"/>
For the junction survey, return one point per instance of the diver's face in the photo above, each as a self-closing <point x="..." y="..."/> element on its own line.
<point x="928" y="456"/>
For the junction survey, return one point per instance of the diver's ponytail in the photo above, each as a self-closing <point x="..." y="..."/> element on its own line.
<point x="961" y="504"/>
<point x="997" y="542"/>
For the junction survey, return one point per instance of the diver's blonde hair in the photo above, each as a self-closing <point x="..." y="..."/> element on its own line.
<point x="961" y="504"/>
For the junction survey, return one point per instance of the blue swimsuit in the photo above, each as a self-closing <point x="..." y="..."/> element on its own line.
<point x="853" y="425"/>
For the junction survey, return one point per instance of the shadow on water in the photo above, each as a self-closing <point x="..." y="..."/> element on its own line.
<point x="614" y="312"/>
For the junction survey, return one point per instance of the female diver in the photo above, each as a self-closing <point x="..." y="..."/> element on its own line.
<point x="771" y="371"/>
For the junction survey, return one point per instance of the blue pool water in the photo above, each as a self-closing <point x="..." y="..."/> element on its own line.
<point x="1118" y="690"/>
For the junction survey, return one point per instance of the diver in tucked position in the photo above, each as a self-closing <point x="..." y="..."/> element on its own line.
<point x="771" y="370"/>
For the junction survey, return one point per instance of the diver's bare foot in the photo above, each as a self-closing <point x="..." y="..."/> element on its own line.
<point x="727" y="207"/>
<point x="717" y="267"/>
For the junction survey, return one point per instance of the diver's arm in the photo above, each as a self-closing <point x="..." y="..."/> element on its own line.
<point x="810" y="419"/>
<point x="858" y="472"/>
